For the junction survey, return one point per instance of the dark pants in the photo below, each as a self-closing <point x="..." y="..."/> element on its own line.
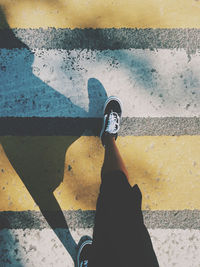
<point x="120" y="238"/>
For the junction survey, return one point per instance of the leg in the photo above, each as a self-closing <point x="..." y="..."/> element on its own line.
<point x="112" y="159"/>
<point x="120" y="237"/>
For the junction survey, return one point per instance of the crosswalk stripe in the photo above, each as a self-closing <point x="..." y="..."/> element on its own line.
<point x="102" y="14"/>
<point x="166" y="168"/>
<point x="62" y="83"/>
<point x="56" y="72"/>
<point x="173" y="247"/>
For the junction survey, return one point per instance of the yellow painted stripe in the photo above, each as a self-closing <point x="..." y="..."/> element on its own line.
<point x="102" y="13"/>
<point x="166" y="168"/>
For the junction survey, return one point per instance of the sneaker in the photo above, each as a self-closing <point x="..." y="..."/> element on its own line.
<point x="84" y="249"/>
<point x="112" y="118"/>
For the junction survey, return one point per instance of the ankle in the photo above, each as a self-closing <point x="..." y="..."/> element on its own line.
<point x="109" y="139"/>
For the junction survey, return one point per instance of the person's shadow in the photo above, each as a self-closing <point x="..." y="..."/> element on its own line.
<point x="39" y="160"/>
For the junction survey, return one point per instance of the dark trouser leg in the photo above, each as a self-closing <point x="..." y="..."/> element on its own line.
<point x="120" y="237"/>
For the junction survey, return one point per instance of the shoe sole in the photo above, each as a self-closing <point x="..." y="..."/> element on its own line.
<point x="107" y="101"/>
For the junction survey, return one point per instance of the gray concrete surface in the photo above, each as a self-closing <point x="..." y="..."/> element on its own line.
<point x="92" y="126"/>
<point x="102" y="39"/>
<point x="177" y="219"/>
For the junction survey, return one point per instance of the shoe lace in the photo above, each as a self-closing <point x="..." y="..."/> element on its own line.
<point x="84" y="263"/>
<point x="113" y="123"/>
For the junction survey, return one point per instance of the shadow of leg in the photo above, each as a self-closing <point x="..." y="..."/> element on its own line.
<point x="39" y="162"/>
<point x="57" y="222"/>
<point x="97" y="97"/>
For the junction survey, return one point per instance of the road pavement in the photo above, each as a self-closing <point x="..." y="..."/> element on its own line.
<point x="59" y="61"/>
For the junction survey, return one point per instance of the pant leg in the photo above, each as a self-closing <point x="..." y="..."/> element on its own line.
<point x="120" y="237"/>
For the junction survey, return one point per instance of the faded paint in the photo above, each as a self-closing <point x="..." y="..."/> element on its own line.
<point x="167" y="170"/>
<point x="102" y="13"/>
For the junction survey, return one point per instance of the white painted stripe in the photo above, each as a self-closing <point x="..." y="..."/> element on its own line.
<point x="162" y="83"/>
<point x="176" y="247"/>
<point x="42" y="247"/>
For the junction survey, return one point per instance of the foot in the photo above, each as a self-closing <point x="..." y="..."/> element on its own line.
<point x="112" y="118"/>
<point x="83" y="252"/>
